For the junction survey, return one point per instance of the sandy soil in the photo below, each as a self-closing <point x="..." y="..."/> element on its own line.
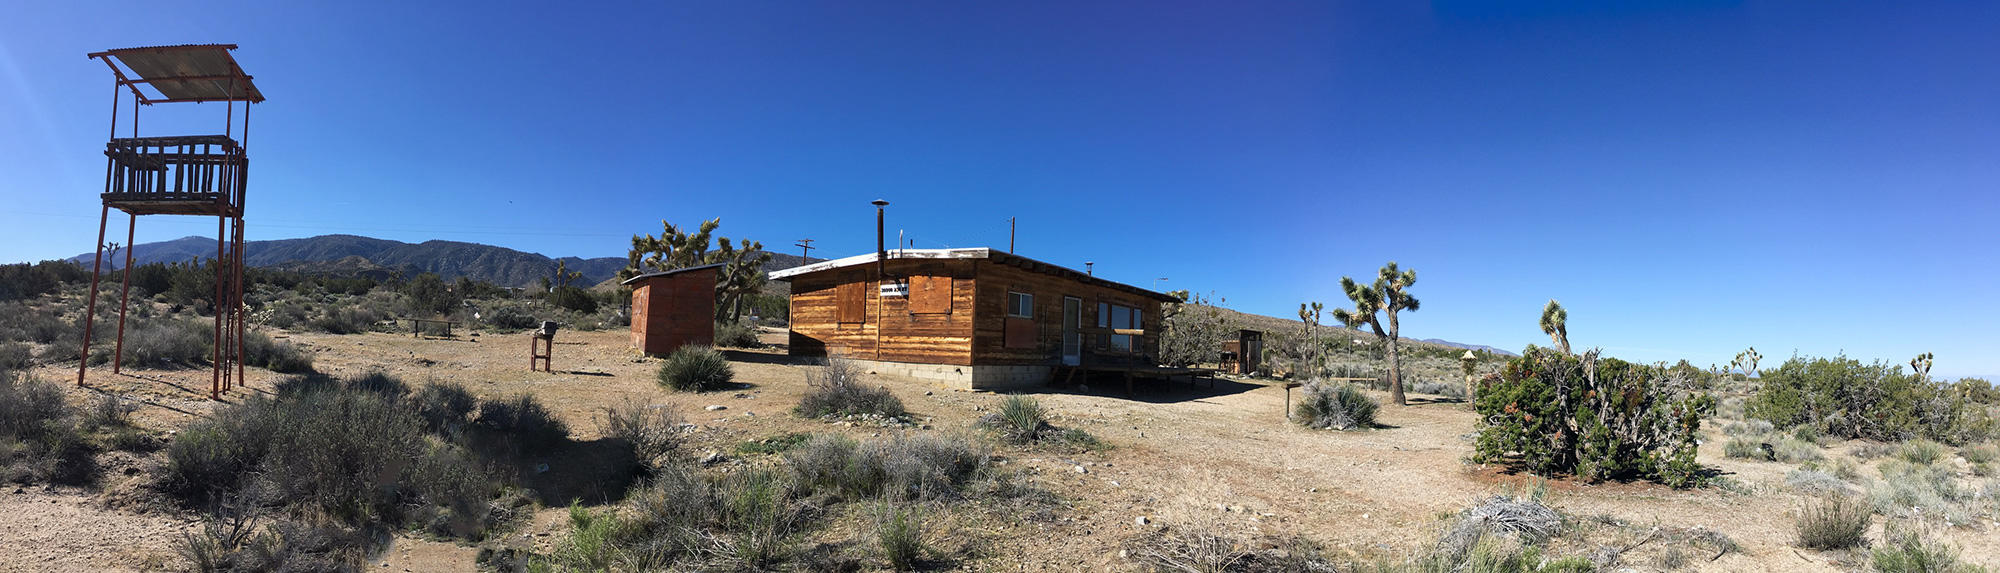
<point x="1183" y="456"/>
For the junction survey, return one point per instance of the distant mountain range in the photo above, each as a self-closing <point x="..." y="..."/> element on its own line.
<point x="357" y="255"/>
<point x="1443" y="342"/>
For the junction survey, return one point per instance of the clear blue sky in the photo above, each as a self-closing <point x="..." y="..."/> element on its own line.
<point x="1688" y="179"/>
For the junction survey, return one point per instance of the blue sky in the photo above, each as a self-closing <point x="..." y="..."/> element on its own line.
<point x="1689" y="179"/>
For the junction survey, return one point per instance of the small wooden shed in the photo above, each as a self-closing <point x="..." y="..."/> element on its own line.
<point x="1243" y="354"/>
<point x="674" y="308"/>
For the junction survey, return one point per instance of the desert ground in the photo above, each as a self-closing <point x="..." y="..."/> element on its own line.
<point x="1183" y="456"/>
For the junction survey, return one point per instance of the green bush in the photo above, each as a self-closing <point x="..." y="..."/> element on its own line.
<point x="1848" y="399"/>
<point x="1979" y="455"/>
<point x="653" y="431"/>
<point x="1923" y="452"/>
<point x="1625" y="420"/>
<point x="694" y="368"/>
<point x="1020" y="420"/>
<point x="573" y="299"/>
<point x="1739" y="448"/>
<point x="1920" y="491"/>
<point x="1326" y="406"/>
<point x="900" y="532"/>
<point x="835" y="390"/>
<point x="1833" y="522"/>
<point x="16" y="355"/>
<point x="444" y="407"/>
<point x="522" y="424"/>
<point x="736" y="335"/>
<point x="1908" y="550"/>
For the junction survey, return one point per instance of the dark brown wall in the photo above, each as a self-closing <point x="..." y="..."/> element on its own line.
<point x="675" y="310"/>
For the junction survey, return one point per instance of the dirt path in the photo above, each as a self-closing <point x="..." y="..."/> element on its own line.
<point x="1183" y="455"/>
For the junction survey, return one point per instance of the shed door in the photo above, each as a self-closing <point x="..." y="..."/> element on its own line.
<point x="1072" y="338"/>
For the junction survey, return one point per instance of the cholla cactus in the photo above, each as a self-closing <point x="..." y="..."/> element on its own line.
<point x="1555" y="323"/>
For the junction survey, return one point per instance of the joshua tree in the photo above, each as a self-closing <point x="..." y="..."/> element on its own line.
<point x="742" y="262"/>
<point x="1921" y="365"/>
<point x="1387" y="296"/>
<point x="1747" y="361"/>
<point x="1555" y="323"/>
<point x="1309" y="314"/>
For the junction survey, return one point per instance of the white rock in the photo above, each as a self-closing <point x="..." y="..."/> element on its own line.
<point x="1142" y="521"/>
<point x="715" y="407"/>
<point x="1082" y="470"/>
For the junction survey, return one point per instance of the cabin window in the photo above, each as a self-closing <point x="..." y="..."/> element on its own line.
<point x="1119" y="317"/>
<point x="1020" y="305"/>
<point x="930" y="295"/>
<point x="851" y="302"/>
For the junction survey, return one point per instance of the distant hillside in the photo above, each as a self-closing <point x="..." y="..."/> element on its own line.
<point x="1292" y="326"/>
<point x="357" y="255"/>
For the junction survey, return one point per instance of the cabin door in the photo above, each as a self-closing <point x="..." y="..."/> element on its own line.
<point x="1072" y="338"/>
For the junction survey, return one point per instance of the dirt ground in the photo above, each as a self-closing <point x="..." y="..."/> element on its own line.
<point x="1221" y="457"/>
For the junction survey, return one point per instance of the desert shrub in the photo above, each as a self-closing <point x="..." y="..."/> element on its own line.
<point x="444" y="407"/>
<point x="1020" y="420"/>
<point x="1598" y="418"/>
<point x="16" y="355"/>
<point x="1908" y="550"/>
<point x="522" y="424"/>
<point x="107" y="411"/>
<point x="277" y="356"/>
<point x="1872" y="450"/>
<point x="1739" y="448"/>
<point x="1833" y="522"/>
<point x="429" y="295"/>
<point x="1848" y="399"/>
<point x="1792" y="450"/>
<point x="654" y="431"/>
<point x="20" y="322"/>
<point x="1814" y="482"/>
<point x="236" y="544"/>
<point x="694" y="368"/>
<point x="1327" y="406"/>
<point x="736" y="335"/>
<point x="1446" y="389"/>
<point x="1978" y="455"/>
<point x="39" y="437"/>
<point x="164" y="342"/>
<point x="1489" y="535"/>
<point x="905" y="466"/>
<point x="573" y="299"/>
<point x="835" y="390"/>
<point x="509" y="317"/>
<point x="1921" y="451"/>
<point x="353" y="450"/>
<point x="900" y="533"/>
<point x="1749" y="428"/>
<point x="1919" y="491"/>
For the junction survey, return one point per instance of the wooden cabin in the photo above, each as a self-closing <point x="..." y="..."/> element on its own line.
<point x="969" y="318"/>
<point x="672" y="309"/>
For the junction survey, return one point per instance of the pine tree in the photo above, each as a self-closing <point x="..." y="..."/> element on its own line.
<point x="1388" y="296"/>
<point x="1555" y="323"/>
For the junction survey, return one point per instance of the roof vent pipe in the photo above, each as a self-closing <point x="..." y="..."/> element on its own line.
<point x="881" y="253"/>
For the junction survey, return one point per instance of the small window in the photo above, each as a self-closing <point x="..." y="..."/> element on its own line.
<point x="1020" y="305"/>
<point x="1103" y="315"/>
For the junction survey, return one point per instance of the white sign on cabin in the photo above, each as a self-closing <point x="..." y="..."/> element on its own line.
<point x="898" y="288"/>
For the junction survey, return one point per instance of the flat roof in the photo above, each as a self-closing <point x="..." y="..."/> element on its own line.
<point x="1001" y="257"/>
<point x="667" y="273"/>
<point x="183" y="73"/>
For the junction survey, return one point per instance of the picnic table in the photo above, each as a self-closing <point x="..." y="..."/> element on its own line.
<point x="417" y="325"/>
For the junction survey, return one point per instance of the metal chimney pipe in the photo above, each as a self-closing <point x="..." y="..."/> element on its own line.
<point x="881" y="253"/>
<point x="1087" y="268"/>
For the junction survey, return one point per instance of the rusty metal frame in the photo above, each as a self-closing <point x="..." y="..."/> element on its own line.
<point x="227" y="368"/>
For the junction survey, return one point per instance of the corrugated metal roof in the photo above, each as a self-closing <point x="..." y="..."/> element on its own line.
<point x="190" y="72"/>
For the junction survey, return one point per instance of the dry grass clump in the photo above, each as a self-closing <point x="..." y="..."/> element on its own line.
<point x="834" y="390"/>
<point x="736" y="335"/>
<point x="40" y="437"/>
<point x="1908" y="549"/>
<point x="1814" y="482"/>
<point x="655" y="431"/>
<point x="1022" y="421"/>
<point x="1923" y="452"/>
<point x="1833" y="522"/>
<point x="900" y="467"/>
<point x="1920" y="491"/>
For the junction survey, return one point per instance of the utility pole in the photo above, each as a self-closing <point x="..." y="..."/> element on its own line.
<point x="1010" y="235"/>
<point x="806" y="246"/>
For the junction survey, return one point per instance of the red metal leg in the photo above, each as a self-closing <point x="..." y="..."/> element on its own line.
<point x="90" y="309"/>
<point x="215" y="379"/>
<point x="124" y="298"/>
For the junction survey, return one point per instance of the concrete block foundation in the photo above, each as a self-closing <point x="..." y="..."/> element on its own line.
<point x="987" y="377"/>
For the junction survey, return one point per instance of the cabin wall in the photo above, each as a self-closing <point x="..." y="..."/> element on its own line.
<point x="887" y="330"/>
<point x="989" y="339"/>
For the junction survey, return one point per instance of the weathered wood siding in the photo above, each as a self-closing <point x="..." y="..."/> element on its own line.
<point x="890" y="328"/>
<point x="989" y="338"/>
<point x="675" y="310"/>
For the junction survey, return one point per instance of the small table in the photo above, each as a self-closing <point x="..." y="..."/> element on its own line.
<point x="417" y="326"/>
